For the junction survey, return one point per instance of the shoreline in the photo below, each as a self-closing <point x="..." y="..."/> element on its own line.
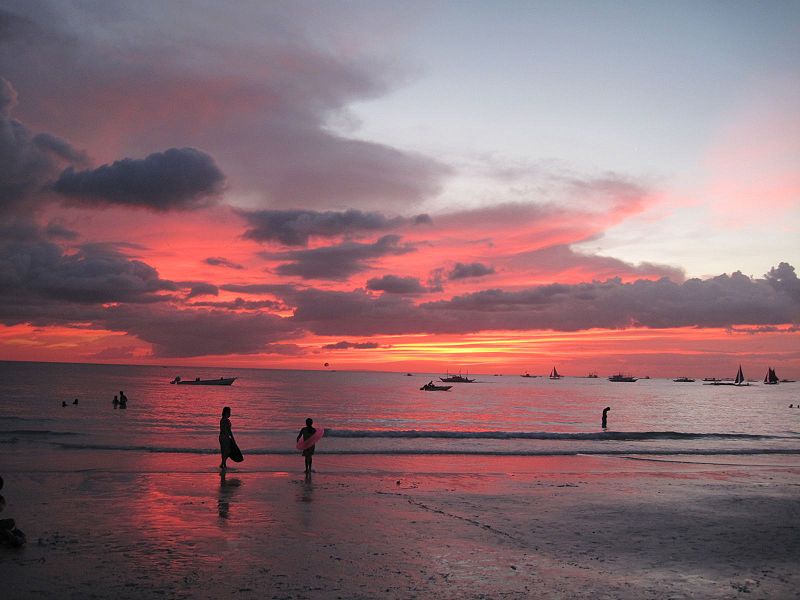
<point x="434" y="527"/>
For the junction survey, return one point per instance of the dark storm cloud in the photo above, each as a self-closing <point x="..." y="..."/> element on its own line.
<point x="344" y="345"/>
<point x="393" y="284"/>
<point x="57" y="231"/>
<point x="340" y="261"/>
<point x="38" y="272"/>
<point x="464" y="271"/>
<point x="260" y="94"/>
<point x="202" y="289"/>
<point x="28" y="162"/>
<point x="186" y="333"/>
<point x="295" y="227"/>
<point x="241" y="304"/>
<point x="218" y="261"/>
<point x="276" y="289"/>
<point x="722" y="301"/>
<point x="176" y="179"/>
<point x="8" y="98"/>
<point x="784" y="279"/>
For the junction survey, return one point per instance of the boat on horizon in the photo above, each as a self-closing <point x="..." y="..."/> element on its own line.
<point x="554" y="374"/>
<point x="456" y="378"/>
<point x="740" y="381"/>
<point x="529" y="375"/>
<point x="683" y="380"/>
<point x="198" y="381"/>
<point x="619" y="377"/>
<point x="592" y="375"/>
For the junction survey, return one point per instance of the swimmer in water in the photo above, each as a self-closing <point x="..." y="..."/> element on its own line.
<point x="605" y="416"/>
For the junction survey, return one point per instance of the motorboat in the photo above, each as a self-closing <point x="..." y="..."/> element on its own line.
<point x="432" y="387"/>
<point x="198" y="381"/>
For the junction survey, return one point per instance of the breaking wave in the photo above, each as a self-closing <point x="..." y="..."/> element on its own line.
<point x="542" y="435"/>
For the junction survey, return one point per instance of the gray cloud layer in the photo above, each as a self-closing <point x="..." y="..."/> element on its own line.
<point x="28" y="161"/>
<point x="338" y="262"/>
<point x="393" y="284"/>
<point x="344" y="345"/>
<point x="464" y="271"/>
<point x="261" y="99"/>
<point x="718" y="302"/>
<point x="296" y="227"/>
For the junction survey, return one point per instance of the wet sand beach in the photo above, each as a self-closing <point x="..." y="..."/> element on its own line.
<point x="401" y="527"/>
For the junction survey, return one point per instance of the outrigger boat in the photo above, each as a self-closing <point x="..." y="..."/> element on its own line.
<point x="456" y="379"/>
<point x="198" y="381"/>
<point x="619" y="377"/>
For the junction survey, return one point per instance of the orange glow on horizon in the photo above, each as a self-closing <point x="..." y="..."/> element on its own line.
<point x="667" y="352"/>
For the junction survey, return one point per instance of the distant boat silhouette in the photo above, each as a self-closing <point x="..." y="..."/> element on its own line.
<point x="619" y="377"/>
<point x="683" y="380"/>
<point x="528" y="375"/>
<point x="592" y="375"/>
<point x="554" y="374"/>
<point x="198" y="381"/>
<point x="771" y="378"/>
<point x="456" y="378"/>
<point x="740" y="381"/>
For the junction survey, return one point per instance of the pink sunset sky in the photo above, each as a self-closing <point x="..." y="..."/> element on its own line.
<point x="492" y="187"/>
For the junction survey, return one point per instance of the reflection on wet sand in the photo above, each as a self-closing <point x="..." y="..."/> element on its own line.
<point x="227" y="489"/>
<point x="307" y="489"/>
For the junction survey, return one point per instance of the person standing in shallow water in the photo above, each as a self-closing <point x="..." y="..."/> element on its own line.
<point x="225" y="437"/>
<point x="306" y="432"/>
<point x="605" y="416"/>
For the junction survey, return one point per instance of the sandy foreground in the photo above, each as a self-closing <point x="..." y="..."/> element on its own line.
<point x="165" y="526"/>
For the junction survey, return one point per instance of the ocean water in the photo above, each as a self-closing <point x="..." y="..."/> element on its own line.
<point x="381" y="413"/>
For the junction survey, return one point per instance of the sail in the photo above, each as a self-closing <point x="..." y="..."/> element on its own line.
<point x="554" y="374"/>
<point x="771" y="377"/>
<point x="739" y="376"/>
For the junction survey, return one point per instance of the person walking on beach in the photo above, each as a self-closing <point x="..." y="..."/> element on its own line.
<point x="225" y="437"/>
<point x="605" y="416"/>
<point x="306" y="432"/>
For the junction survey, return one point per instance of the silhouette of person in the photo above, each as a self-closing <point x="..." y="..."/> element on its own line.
<point x="123" y="400"/>
<point x="225" y="437"/>
<point x="306" y="432"/>
<point x="63" y="403"/>
<point x="115" y="402"/>
<point x="9" y="534"/>
<point x="75" y="401"/>
<point x="605" y="416"/>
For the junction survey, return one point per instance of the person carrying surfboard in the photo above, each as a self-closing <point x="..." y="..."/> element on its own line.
<point x="309" y="434"/>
